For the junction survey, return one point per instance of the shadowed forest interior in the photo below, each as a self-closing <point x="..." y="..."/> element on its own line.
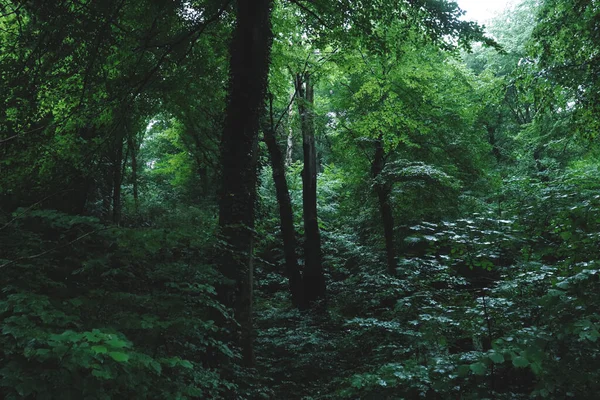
<point x="299" y="199"/>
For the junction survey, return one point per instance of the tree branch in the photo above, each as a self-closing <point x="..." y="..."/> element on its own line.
<point x="53" y="249"/>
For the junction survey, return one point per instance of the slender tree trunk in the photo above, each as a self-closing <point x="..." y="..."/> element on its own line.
<point x="117" y="180"/>
<point x="290" y="137"/>
<point x="249" y="68"/>
<point x="286" y="214"/>
<point x="133" y="148"/>
<point x="314" y="278"/>
<point x="383" y="190"/>
<point x="106" y="191"/>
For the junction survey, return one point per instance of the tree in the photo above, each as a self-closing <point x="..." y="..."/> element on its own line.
<point x="565" y="49"/>
<point x="314" y="277"/>
<point x="286" y="215"/>
<point x="407" y="108"/>
<point x="249" y="69"/>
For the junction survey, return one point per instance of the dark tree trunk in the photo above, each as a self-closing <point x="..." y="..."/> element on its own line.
<point x="286" y="215"/>
<point x="492" y="140"/>
<point x="314" y="278"/>
<point x="106" y="201"/>
<point x="541" y="168"/>
<point x="249" y="68"/>
<point x="74" y="199"/>
<point x="383" y="191"/>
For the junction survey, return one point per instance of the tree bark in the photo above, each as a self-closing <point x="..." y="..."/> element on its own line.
<point x="290" y="137"/>
<point x="314" y="278"/>
<point x="492" y="141"/>
<point x="383" y="190"/>
<point x="117" y="181"/>
<point x="249" y="68"/>
<point x="134" y="148"/>
<point x="286" y="215"/>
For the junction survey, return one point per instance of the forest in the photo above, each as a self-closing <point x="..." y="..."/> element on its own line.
<point x="299" y="199"/>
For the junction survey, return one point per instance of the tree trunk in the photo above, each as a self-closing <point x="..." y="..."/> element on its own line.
<point x="314" y="278"/>
<point x="492" y="141"/>
<point x="383" y="190"/>
<point x="133" y="148"/>
<point x="105" y="190"/>
<point x="249" y="68"/>
<point x="117" y="180"/>
<point x="286" y="215"/>
<point x="290" y="137"/>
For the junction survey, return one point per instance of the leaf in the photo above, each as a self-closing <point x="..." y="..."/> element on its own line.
<point x="186" y="364"/>
<point x="118" y="356"/>
<point x="497" y="358"/>
<point x="566" y="235"/>
<point x="100" y="349"/>
<point x="520" y="362"/>
<point x="463" y="370"/>
<point x="563" y="285"/>
<point x="156" y="367"/>
<point x="42" y="352"/>
<point x="117" y="343"/>
<point x="93" y="336"/>
<point x="536" y="368"/>
<point x="478" y="368"/>
<point x="76" y="302"/>
<point x="101" y="373"/>
<point x="357" y="382"/>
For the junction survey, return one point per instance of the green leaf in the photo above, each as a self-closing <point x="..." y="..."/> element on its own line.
<point x="186" y="364"/>
<point x="563" y="285"/>
<point x="478" y="368"/>
<point x="497" y="358"/>
<point x="536" y="368"/>
<point x="94" y="336"/>
<point x="463" y="370"/>
<point x="100" y="349"/>
<point x="357" y="382"/>
<point x="566" y="235"/>
<point x="42" y="352"/>
<point x="520" y="362"/>
<point x="76" y="302"/>
<point x="156" y="367"/>
<point x="117" y="343"/>
<point x="118" y="356"/>
<point x="101" y="373"/>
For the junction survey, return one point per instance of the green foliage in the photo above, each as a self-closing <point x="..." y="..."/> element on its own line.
<point x="499" y="304"/>
<point x="90" y="311"/>
<point x="113" y="111"/>
<point x="566" y="46"/>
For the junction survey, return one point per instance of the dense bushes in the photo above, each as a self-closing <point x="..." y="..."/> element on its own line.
<point x="491" y="306"/>
<point x="95" y="311"/>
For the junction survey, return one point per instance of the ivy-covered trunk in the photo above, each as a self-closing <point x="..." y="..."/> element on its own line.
<point x="286" y="215"/>
<point x="314" y="278"/>
<point x="383" y="189"/>
<point x="249" y="68"/>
